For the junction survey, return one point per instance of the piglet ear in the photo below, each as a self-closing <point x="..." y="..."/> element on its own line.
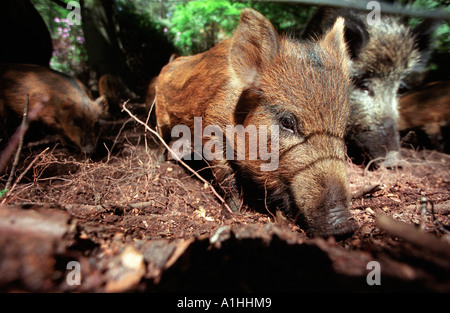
<point x="334" y="40"/>
<point x="254" y="44"/>
<point x="423" y="35"/>
<point x="356" y="34"/>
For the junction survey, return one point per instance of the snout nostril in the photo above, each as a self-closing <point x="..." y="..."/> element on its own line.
<point x="338" y="209"/>
<point x="339" y="223"/>
<point x="393" y="160"/>
<point x="336" y="216"/>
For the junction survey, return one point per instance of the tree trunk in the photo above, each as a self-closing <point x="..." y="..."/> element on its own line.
<point x="25" y="37"/>
<point x="103" y="45"/>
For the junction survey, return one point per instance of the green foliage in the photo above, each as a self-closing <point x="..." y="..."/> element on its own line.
<point x="49" y="10"/>
<point x="442" y="34"/>
<point x="198" y="25"/>
<point x="285" y="17"/>
<point x="192" y="26"/>
<point x="69" y="53"/>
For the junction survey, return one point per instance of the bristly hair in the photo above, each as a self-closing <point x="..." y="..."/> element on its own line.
<point x="391" y="51"/>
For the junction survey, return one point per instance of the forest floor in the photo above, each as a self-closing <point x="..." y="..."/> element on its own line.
<point x="132" y="224"/>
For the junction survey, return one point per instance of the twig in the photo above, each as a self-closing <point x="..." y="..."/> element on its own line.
<point x="439" y="225"/>
<point x="413" y="235"/>
<point x="265" y="200"/>
<point x="23" y="174"/>
<point x="116" y="138"/>
<point x="370" y="164"/>
<point x="146" y="122"/>
<point x="177" y="158"/>
<point x="442" y="208"/>
<point x="23" y="127"/>
<point x="20" y="132"/>
<point x="367" y="190"/>
<point x="423" y="212"/>
<point x="47" y="141"/>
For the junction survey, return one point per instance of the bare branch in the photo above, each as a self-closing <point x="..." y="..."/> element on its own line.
<point x="23" y="174"/>
<point x="439" y="225"/>
<point x="23" y="127"/>
<point x="17" y="137"/>
<point x="367" y="190"/>
<point x="413" y="235"/>
<point x="177" y="158"/>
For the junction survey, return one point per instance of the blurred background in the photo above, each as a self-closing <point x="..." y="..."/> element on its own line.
<point x="134" y="39"/>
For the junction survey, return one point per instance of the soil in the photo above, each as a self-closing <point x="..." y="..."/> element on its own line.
<point x="131" y="223"/>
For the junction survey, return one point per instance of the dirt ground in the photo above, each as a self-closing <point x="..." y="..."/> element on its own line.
<point x="120" y="221"/>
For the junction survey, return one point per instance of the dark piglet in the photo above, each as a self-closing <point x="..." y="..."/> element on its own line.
<point x="426" y="113"/>
<point x="114" y="93"/>
<point x="385" y="58"/>
<point x="67" y="106"/>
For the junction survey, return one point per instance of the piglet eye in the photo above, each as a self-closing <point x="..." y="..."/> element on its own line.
<point x="77" y="121"/>
<point x="364" y="87"/>
<point x="403" y="88"/>
<point x="288" y="123"/>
